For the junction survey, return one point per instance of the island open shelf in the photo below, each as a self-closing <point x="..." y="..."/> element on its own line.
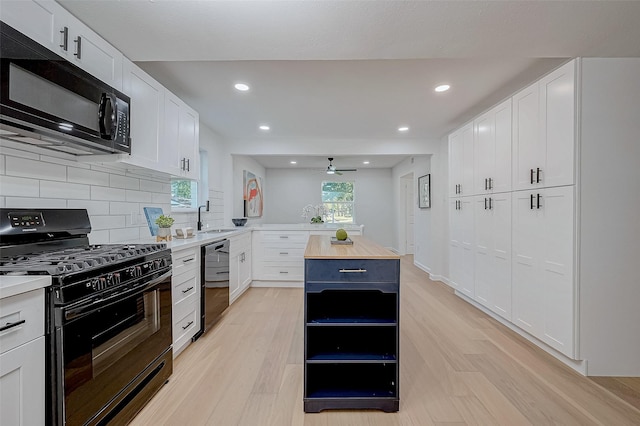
<point x="351" y="353"/>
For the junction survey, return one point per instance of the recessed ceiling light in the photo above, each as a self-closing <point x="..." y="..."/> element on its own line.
<point x="365" y="162"/>
<point x="442" y="88"/>
<point x="293" y="162"/>
<point x="403" y="129"/>
<point x="241" y="87"/>
<point x="264" y="127"/>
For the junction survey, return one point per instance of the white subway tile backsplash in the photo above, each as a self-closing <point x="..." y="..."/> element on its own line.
<point x="124" y="234"/>
<point x="143" y="197"/>
<point x="51" y="189"/>
<point x="107" y="194"/>
<point x="2" y="158"/>
<point x="52" y="158"/>
<point x="157" y="197"/>
<point x="10" y="148"/>
<point x="19" y="187"/>
<point x="40" y="203"/>
<point x="25" y="167"/>
<point x="92" y="207"/>
<point x="107" y="222"/>
<point x="151" y="186"/>
<point x="87" y="176"/>
<point x="123" y="207"/>
<point x="99" y="237"/>
<point x="116" y="181"/>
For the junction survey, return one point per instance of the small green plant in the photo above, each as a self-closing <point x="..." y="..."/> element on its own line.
<point x="317" y="219"/>
<point x="164" y="221"/>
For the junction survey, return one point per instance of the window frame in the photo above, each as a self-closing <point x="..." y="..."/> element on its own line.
<point x="351" y="203"/>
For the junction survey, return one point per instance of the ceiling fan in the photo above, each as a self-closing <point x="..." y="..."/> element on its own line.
<point x="331" y="169"/>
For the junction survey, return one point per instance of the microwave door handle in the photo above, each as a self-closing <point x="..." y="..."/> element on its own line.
<point x="107" y="116"/>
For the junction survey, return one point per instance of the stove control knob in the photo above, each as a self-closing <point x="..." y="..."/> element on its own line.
<point x="95" y="284"/>
<point x="103" y="283"/>
<point x="116" y="278"/>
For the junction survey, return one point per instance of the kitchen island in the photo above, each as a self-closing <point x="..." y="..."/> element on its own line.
<point x="351" y="333"/>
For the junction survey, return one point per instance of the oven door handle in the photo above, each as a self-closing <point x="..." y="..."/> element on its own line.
<point x="79" y="310"/>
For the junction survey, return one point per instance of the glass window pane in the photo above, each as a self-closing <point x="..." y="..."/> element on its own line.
<point x="184" y="194"/>
<point x="337" y="199"/>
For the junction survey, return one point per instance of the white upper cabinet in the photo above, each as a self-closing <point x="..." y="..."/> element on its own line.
<point x="49" y="24"/>
<point x="492" y="150"/>
<point x="147" y="96"/>
<point x="180" y="140"/>
<point x="544" y="118"/>
<point x="189" y="142"/>
<point x="170" y="155"/>
<point x="461" y="161"/>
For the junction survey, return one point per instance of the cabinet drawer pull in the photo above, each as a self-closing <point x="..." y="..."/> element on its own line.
<point x="538" y="175"/>
<point x="531" y="205"/>
<point x="531" y="177"/>
<point x="490" y="204"/>
<point x="284" y="236"/>
<point x="284" y="272"/>
<point x="64" y="38"/>
<point x="490" y="183"/>
<point x="352" y="270"/>
<point x="188" y="325"/>
<point x="9" y="325"/>
<point x="485" y="203"/>
<point x="191" y="259"/>
<point x="284" y="252"/>
<point x="538" y="203"/>
<point x="78" y="52"/>
<point x="485" y="184"/>
<point x="187" y="290"/>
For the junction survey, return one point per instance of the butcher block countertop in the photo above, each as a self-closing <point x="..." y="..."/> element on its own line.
<point x="320" y="247"/>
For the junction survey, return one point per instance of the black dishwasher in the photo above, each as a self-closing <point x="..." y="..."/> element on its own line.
<point x="215" y="283"/>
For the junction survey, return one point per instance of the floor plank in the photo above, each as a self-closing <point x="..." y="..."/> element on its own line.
<point x="458" y="366"/>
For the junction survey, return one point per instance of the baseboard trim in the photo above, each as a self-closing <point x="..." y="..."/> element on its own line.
<point x="277" y="284"/>
<point x="578" y="365"/>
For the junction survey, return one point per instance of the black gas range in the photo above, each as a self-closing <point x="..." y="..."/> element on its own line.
<point x="108" y="313"/>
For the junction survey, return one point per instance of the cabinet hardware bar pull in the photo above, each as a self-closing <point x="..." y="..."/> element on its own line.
<point x="284" y="236"/>
<point x="188" y="168"/>
<point x="485" y="184"/>
<point x="539" y="200"/>
<point x="531" y="201"/>
<point x="187" y="290"/>
<point x="352" y="270"/>
<point x="490" y="183"/>
<point x="531" y="176"/>
<point x="538" y="175"/>
<point x="189" y="260"/>
<point x="65" y="38"/>
<point x="284" y="252"/>
<point x="9" y="325"/>
<point x="490" y="204"/>
<point x="78" y="53"/>
<point x="485" y="203"/>
<point x="284" y="272"/>
<point x="188" y="325"/>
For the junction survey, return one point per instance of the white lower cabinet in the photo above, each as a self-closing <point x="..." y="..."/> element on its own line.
<point x="543" y="266"/>
<point x="279" y="255"/>
<point x="186" y="291"/>
<point x="492" y="240"/>
<point x="461" y="245"/>
<point x="22" y="359"/>
<point x="239" y="265"/>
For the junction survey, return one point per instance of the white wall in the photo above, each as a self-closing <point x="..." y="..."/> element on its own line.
<point x="289" y="190"/>
<point x="240" y="163"/>
<point x="609" y="228"/>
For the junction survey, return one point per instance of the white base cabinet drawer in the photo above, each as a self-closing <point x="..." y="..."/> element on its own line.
<point x="22" y="316"/>
<point x="22" y="384"/>
<point x="185" y="325"/>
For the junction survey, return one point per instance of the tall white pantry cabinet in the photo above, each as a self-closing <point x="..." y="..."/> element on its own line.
<point x="555" y="248"/>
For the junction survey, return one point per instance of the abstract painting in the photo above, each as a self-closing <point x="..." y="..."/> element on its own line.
<point x="253" y="199"/>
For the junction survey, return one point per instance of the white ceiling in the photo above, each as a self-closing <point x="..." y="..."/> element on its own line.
<point x="341" y="70"/>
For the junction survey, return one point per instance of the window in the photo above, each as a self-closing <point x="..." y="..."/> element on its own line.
<point x="337" y="200"/>
<point x="184" y="194"/>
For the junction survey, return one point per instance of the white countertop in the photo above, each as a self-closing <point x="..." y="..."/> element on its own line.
<point x="12" y="285"/>
<point x="208" y="236"/>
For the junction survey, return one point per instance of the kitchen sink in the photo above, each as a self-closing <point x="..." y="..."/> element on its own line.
<point x="216" y="231"/>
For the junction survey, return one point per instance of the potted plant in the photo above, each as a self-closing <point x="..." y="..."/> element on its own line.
<point x="164" y="225"/>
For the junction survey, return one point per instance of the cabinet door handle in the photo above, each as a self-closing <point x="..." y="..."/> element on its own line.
<point x="531" y="176"/>
<point x="284" y="236"/>
<point x="284" y="272"/>
<point x="189" y="260"/>
<point x="485" y="184"/>
<point x="490" y="183"/>
<point x="284" y="253"/>
<point x="485" y="203"/>
<point x="538" y="197"/>
<point x="9" y="325"/>
<point x="188" y="325"/>
<point x="64" y="40"/>
<point x="531" y="202"/>
<point x="78" y="52"/>
<point x="459" y="204"/>
<point x="187" y="290"/>
<point x="188" y="168"/>
<point x="348" y="271"/>
<point x="490" y="203"/>
<point x="538" y="175"/>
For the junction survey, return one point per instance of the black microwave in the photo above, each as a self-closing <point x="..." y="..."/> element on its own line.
<point x="47" y="101"/>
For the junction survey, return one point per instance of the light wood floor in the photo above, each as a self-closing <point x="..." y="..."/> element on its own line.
<point x="458" y="367"/>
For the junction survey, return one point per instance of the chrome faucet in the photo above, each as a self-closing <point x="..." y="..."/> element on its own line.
<point x="199" y="220"/>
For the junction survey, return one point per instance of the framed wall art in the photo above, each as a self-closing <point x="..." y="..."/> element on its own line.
<point x="424" y="191"/>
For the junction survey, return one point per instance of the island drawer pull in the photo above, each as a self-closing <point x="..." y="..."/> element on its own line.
<point x="352" y="270"/>
<point x="11" y="325"/>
